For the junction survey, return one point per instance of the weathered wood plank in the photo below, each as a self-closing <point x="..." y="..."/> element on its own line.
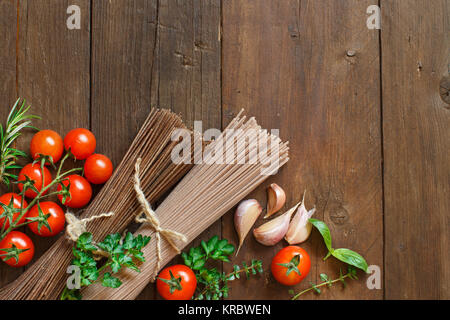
<point x="286" y="63"/>
<point x="416" y="51"/>
<point x="186" y="73"/>
<point x="53" y="71"/>
<point x="123" y="42"/>
<point x="8" y="91"/>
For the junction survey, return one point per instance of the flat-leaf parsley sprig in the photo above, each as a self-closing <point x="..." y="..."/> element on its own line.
<point x="121" y="253"/>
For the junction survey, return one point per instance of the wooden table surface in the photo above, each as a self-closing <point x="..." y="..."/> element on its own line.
<point x="362" y="108"/>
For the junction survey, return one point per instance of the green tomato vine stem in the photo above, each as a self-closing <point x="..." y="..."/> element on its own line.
<point x="41" y="195"/>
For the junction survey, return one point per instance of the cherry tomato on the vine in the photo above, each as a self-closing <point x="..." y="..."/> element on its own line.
<point x="80" y="191"/>
<point x="176" y="282"/>
<point x="47" y="142"/>
<point x="21" y="242"/>
<point x="81" y="143"/>
<point x="56" y="220"/>
<point x="17" y="202"/>
<point x="290" y="265"/>
<point x="98" y="168"/>
<point x="33" y="171"/>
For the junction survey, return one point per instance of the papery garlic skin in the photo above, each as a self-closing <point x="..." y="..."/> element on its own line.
<point x="273" y="231"/>
<point x="300" y="228"/>
<point x="245" y="216"/>
<point x="276" y="198"/>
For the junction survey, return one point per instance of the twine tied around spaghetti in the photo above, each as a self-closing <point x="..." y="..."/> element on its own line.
<point x="149" y="216"/>
<point x="76" y="227"/>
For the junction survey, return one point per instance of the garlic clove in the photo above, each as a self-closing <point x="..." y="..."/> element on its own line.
<point x="273" y="231"/>
<point x="276" y="198"/>
<point x="247" y="212"/>
<point x="300" y="228"/>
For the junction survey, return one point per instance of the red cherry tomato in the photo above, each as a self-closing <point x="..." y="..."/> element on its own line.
<point x="98" y="169"/>
<point x="290" y="265"/>
<point x="33" y="171"/>
<point x="80" y="191"/>
<point x="47" y="142"/>
<point x="17" y="202"/>
<point x="186" y="287"/>
<point x="81" y="143"/>
<point x="20" y="241"/>
<point x="56" y="220"/>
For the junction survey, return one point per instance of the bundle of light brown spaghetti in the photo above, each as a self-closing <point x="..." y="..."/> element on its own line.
<point x="46" y="278"/>
<point x="203" y="196"/>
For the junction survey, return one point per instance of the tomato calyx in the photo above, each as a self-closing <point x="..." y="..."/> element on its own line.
<point x="27" y="184"/>
<point x="8" y="212"/>
<point x="41" y="219"/>
<point x="65" y="190"/>
<point x="12" y="252"/>
<point x="173" y="283"/>
<point x="43" y="159"/>
<point x="292" y="265"/>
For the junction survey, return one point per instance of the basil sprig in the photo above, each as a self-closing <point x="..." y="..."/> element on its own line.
<point x="345" y="255"/>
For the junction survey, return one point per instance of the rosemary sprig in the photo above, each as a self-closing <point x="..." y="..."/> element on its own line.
<point x="18" y="119"/>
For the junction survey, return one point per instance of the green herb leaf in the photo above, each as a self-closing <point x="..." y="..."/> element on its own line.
<point x="324" y="231"/>
<point x="212" y="243"/>
<point x="198" y="265"/>
<point x="324" y="277"/>
<point x="110" y="281"/>
<point x="121" y="254"/>
<point x="351" y="257"/>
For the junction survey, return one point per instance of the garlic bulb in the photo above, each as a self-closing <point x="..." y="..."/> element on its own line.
<point x="276" y="198"/>
<point x="244" y="218"/>
<point x="273" y="231"/>
<point x="300" y="228"/>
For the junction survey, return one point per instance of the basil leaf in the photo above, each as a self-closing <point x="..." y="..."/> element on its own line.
<point x="324" y="231"/>
<point x="351" y="257"/>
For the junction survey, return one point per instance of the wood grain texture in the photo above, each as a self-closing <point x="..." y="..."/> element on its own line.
<point x="53" y="72"/>
<point x="140" y="51"/>
<point x="8" y="91"/>
<point x="186" y="72"/>
<point x="416" y="52"/>
<point x="286" y="63"/>
<point x="123" y="44"/>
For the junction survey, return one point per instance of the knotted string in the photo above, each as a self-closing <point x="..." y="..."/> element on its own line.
<point x="76" y="227"/>
<point x="150" y="217"/>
